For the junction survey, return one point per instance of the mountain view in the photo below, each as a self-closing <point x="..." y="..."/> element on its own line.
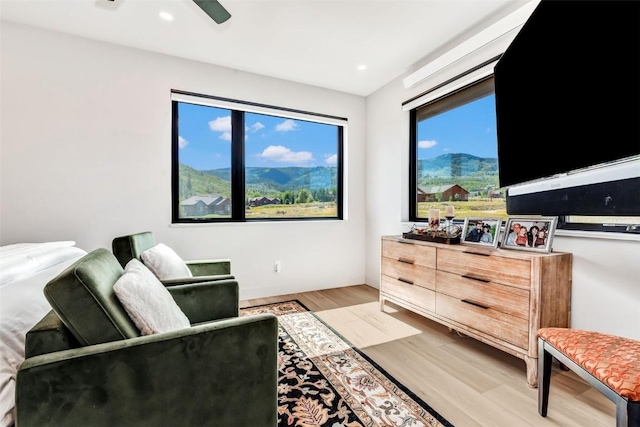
<point x="259" y="181"/>
<point x="470" y="172"/>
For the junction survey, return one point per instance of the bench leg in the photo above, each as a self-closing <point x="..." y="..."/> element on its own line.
<point x="627" y="413"/>
<point x="544" y="378"/>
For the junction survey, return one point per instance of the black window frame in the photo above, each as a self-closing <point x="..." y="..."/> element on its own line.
<point x="238" y="187"/>
<point x="459" y="97"/>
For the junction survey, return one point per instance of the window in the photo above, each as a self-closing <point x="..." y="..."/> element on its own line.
<point x="238" y="161"/>
<point x="453" y="158"/>
<point x="453" y="161"/>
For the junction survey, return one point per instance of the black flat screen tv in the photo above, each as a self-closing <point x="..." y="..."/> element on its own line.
<point x="568" y="103"/>
<point x="568" y="96"/>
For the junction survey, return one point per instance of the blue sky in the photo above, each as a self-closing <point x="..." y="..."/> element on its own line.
<point x="205" y="140"/>
<point x="468" y="129"/>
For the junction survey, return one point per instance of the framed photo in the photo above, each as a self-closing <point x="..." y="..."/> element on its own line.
<point x="529" y="234"/>
<point x="481" y="231"/>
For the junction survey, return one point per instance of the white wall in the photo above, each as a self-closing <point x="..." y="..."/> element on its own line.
<point x="606" y="272"/>
<point x="86" y="156"/>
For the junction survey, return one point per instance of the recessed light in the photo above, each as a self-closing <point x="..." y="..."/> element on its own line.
<point x="361" y="67"/>
<point x="166" y="16"/>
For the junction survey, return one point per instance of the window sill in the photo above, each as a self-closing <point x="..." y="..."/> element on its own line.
<point x="253" y="223"/>
<point x="598" y="235"/>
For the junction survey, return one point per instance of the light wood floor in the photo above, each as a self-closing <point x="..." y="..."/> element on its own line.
<point x="467" y="382"/>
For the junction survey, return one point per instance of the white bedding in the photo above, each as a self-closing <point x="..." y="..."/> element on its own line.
<point x="22" y="259"/>
<point x="28" y="268"/>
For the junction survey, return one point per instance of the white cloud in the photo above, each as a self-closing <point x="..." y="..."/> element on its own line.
<point x="221" y="124"/>
<point x="278" y="153"/>
<point x="427" y="144"/>
<point x="255" y="127"/>
<point x="182" y="142"/>
<point x="226" y="136"/>
<point x="286" y="126"/>
<point x="332" y="159"/>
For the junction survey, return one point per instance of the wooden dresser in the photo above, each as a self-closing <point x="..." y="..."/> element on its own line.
<point x="500" y="297"/>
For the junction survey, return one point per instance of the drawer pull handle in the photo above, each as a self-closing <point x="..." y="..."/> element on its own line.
<point x="406" y="261"/>
<point x="410" y="282"/>
<point x="476" y="304"/>
<point x="479" y="279"/>
<point x="406" y="242"/>
<point x="477" y="253"/>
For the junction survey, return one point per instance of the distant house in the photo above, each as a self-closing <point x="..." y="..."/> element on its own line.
<point x="261" y="201"/>
<point x="206" y="205"/>
<point x="495" y="194"/>
<point x="442" y="192"/>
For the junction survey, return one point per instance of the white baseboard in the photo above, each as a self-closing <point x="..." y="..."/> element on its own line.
<point x="273" y="291"/>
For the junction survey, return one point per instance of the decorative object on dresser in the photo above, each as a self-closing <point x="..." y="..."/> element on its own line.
<point x="498" y="297"/>
<point x="433" y="235"/>
<point x="529" y="233"/>
<point x="450" y="228"/>
<point x="434" y="219"/>
<point x="481" y="231"/>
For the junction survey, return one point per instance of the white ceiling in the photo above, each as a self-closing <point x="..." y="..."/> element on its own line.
<point x="317" y="42"/>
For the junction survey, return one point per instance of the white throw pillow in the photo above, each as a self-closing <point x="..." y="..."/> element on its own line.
<point x="165" y="263"/>
<point x="147" y="302"/>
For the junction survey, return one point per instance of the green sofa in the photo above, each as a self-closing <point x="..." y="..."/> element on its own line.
<point x="130" y="246"/>
<point x="87" y="365"/>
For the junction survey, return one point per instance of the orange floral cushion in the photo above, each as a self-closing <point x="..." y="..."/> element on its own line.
<point x="613" y="360"/>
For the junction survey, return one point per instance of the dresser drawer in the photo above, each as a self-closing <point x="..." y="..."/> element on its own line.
<point x="490" y="321"/>
<point x="410" y="253"/>
<point x="510" y="271"/>
<point x="409" y="273"/>
<point x="507" y="299"/>
<point x="413" y="295"/>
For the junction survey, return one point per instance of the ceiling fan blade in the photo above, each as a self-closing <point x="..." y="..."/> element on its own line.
<point x="214" y="9"/>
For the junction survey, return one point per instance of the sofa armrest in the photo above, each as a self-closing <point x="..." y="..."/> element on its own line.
<point x="49" y="335"/>
<point x="222" y="373"/>
<point x="196" y="279"/>
<point x="209" y="267"/>
<point x="207" y="301"/>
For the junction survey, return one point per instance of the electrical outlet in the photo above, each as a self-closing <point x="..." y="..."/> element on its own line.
<point x="277" y="266"/>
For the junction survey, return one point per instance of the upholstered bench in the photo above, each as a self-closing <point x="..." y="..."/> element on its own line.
<point x="609" y="363"/>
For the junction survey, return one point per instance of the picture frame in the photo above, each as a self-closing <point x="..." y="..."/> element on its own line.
<point x="514" y="238"/>
<point x="481" y="231"/>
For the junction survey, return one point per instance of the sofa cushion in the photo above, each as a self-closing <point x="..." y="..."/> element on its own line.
<point x="165" y="263"/>
<point x="148" y="303"/>
<point x="83" y="297"/>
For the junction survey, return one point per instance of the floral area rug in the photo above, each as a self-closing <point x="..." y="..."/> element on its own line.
<point x="325" y="381"/>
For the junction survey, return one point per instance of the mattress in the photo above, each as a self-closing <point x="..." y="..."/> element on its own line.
<point x="25" y="269"/>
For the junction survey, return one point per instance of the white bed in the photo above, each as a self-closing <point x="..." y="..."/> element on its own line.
<point x="25" y="268"/>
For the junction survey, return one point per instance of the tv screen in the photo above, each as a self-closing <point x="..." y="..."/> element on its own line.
<point x="568" y="90"/>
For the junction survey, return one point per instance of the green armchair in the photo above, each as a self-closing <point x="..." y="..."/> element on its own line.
<point x="87" y="364"/>
<point x="127" y="247"/>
